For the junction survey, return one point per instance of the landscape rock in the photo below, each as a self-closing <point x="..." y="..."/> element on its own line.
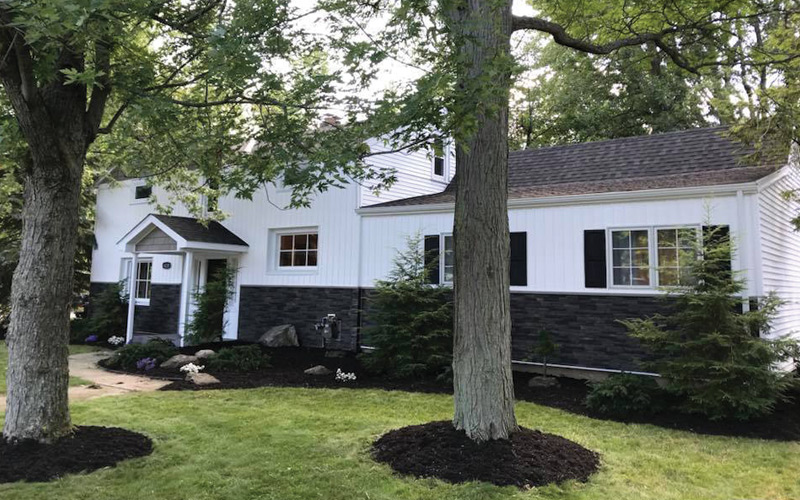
<point x="175" y="362"/>
<point x="204" y="353"/>
<point x="280" y="336"/>
<point x="318" y="370"/>
<point x="202" y="379"/>
<point x="543" y="382"/>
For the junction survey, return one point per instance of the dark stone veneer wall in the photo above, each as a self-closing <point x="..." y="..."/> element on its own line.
<point x="585" y="326"/>
<point x="161" y="316"/>
<point x="262" y="307"/>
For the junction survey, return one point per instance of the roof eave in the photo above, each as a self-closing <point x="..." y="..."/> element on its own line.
<point x="579" y="199"/>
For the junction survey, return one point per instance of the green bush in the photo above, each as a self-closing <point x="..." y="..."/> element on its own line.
<point x="412" y="330"/>
<point x="109" y="314"/>
<point x="626" y="395"/>
<point x="243" y="358"/>
<point x="79" y="329"/>
<point x="126" y="357"/>
<point x="714" y="357"/>
<point x="211" y="302"/>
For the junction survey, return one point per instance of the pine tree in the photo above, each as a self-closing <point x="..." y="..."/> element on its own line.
<point x="412" y="321"/>
<point x="716" y="358"/>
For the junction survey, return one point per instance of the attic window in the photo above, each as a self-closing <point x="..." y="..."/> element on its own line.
<point x="439" y="164"/>
<point x="142" y="192"/>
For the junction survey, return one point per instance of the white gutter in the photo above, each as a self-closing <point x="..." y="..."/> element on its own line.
<point x="581" y="199"/>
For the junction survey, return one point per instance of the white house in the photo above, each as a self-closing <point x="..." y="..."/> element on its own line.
<point x="596" y="228"/>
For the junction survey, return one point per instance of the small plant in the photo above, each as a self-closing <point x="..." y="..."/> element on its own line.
<point x="91" y="339"/>
<point x="116" y="340"/>
<point x="246" y="358"/>
<point x="146" y="364"/>
<point x="128" y="356"/>
<point x="625" y="395"/>
<point x="192" y="368"/>
<point x="344" y="376"/>
<point x="545" y="347"/>
<point x="413" y="321"/>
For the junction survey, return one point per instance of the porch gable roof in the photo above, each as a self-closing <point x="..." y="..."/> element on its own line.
<point x="187" y="232"/>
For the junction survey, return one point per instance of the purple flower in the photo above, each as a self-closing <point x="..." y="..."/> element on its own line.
<point x="91" y="338"/>
<point x="146" y="364"/>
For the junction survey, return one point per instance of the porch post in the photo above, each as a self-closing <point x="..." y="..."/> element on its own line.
<point x="131" y="297"/>
<point x="186" y="286"/>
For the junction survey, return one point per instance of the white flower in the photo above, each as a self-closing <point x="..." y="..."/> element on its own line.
<point x="344" y="376"/>
<point x="116" y="340"/>
<point x="192" y="368"/>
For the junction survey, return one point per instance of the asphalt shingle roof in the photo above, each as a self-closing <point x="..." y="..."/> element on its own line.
<point x="191" y="229"/>
<point x="696" y="157"/>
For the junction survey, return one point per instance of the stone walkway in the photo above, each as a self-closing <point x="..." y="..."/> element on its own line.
<point x="104" y="383"/>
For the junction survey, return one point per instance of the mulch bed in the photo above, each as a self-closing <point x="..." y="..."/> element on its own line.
<point x="529" y="458"/>
<point x="89" y="448"/>
<point x="288" y="365"/>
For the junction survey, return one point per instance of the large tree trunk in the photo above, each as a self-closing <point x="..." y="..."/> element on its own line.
<point x="483" y="385"/>
<point x="38" y="335"/>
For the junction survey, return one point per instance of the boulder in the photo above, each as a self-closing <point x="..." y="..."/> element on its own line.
<point x="280" y="336"/>
<point x="202" y="379"/>
<point x="204" y="353"/>
<point x="543" y="382"/>
<point x="175" y="362"/>
<point x="318" y="370"/>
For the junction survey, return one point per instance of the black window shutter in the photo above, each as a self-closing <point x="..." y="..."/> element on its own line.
<point x="519" y="259"/>
<point x="432" y="258"/>
<point x="594" y="258"/>
<point x="715" y="235"/>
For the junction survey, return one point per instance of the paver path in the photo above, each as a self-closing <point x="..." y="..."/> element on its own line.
<point x="106" y="383"/>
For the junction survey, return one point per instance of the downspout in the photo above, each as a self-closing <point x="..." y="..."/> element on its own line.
<point x="744" y="251"/>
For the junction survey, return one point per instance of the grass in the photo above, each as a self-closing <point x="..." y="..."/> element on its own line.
<point x="282" y="443"/>
<point x="73" y="349"/>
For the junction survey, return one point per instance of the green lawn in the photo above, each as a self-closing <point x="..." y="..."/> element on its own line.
<point x="304" y="444"/>
<point x="73" y="349"/>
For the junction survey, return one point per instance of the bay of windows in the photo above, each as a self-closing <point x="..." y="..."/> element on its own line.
<point x="643" y="257"/>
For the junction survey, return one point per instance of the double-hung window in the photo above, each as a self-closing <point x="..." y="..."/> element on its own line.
<point x="448" y="259"/>
<point x="144" y="272"/>
<point x="630" y="257"/>
<point x="676" y="248"/>
<point x="439" y="152"/>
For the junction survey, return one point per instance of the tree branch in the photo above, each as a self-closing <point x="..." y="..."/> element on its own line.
<point x="100" y="92"/>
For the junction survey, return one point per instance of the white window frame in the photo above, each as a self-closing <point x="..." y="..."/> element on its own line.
<point x="610" y="256"/>
<point x="142" y="301"/>
<point x="445" y="162"/>
<point x="275" y="250"/>
<point x="442" y="247"/>
<point x="139" y="201"/>
<point x="652" y="251"/>
<point x="698" y="235"/>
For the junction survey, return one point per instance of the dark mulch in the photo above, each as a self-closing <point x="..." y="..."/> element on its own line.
<point x="530" y="458"/>
<point x="89" y="448"/>
<point x="288" y="365"/>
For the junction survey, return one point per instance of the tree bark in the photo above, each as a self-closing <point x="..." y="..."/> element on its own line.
<point x="38" y="334"/>
<point x="53" y="120"/>
<point x="483" y="385"/>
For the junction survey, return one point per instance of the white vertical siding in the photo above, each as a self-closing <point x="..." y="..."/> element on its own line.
<point x="555" y="236"/>
<point x="413" y="173"/>
<point x="332" y="213"/>
<point x="780" y="250"/>
<point x="116" y="214"/>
